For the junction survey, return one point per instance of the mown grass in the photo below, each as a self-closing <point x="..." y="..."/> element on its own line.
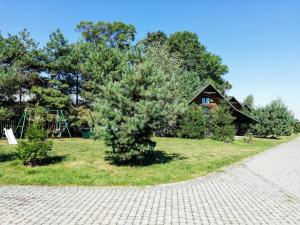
<point x="80" y="162"/>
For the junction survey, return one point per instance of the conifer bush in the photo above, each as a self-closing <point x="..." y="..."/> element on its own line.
<point x="297" y="127"/>
<point x="275" y="119"/>
<point x="220" y="124"/>
<point x="192" y="123"/>
<point x="34" y="149"/>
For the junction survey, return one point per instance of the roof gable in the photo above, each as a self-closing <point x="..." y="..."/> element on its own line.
<point x="248" y="107"/>
<point x="235" y="102"/>
<point x="232" y="99"/>
<point x="205" y="87"/>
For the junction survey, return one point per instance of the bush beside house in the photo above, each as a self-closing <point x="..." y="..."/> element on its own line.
<point x="192" y="123"/>
<point x="274" y="119"/>
<point x="220" y="124"/>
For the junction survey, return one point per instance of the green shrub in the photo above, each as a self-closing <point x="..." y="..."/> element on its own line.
<point x="34" y="150"/>
<point x="248" y="138"/>
<point x="297" y="127"/>
<point x="220" y="124"/>
<point x="275" y="120"/>
<point x="5" y="113"/>
<point x="192" y="124"/>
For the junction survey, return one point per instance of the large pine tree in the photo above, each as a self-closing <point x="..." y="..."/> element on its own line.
<point x="130" y="109"/>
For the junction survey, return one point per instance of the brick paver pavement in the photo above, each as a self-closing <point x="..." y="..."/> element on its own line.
<point x="280" y="165"/>
<point x="255" y="192"/>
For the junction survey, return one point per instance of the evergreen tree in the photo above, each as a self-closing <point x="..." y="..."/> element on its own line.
<point x="220" y="124"/>
<point x="64" y="61"/>
<point x="297" y="126"/>
<point x="21" y="60"/>
<point x="34" y="150"/>
<point x="102" y="66"/>
<point x="192" y="123"/>
<point x="275" y="120"/>
<point x="50" y="95"/>
<point x="130" y="108"/>
<point x="5" y="113"/>
<point x="9" y="86"/>
<point x="191" y="84"/>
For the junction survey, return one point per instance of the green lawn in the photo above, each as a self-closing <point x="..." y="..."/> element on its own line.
<point x="80" y="162"/>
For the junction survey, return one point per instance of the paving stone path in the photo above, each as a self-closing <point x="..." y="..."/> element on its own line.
<point x="263" y="190"/>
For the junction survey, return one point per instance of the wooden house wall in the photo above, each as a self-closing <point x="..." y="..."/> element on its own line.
<point x="210" y="93"/>
<point x="241" y="121"/>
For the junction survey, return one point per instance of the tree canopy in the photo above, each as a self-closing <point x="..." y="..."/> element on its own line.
<point x="194" y="56"/>
<point x="130" y="89"/>
<point x="275" y="119"/>
<point x="62" y="74"/>
<point x="114" y="35"/>
<point x="249" y="101"/>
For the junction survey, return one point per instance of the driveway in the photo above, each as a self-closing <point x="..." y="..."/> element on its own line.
<point x="262" y="190"/>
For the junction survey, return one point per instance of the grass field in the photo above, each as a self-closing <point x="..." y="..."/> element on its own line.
<point x="80" y="162"/>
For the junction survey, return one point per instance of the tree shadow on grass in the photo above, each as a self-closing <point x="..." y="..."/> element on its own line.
<point x="155" y="157"/>
<point x="10" y="156"/>
<point x="7" y="156"/>
<point x="53" y="160"/>
<point x="161" y="157"/>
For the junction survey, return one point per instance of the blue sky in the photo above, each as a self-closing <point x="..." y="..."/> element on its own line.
<point x="259" y="40"/>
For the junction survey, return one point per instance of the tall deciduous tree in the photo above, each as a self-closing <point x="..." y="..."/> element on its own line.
<point x="155" y="38"/>
<point x="116" y="34"/>
<point x="197" y="59"/>
<point x="189" y="48"/>
<point x="170" y="65"/>
<point x="214" y="70"/>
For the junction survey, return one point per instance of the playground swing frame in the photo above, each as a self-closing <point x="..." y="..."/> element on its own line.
<point x="62" y="123"/>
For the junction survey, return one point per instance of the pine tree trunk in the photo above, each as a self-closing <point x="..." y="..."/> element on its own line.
<point x="77" y="90"/>
<point x="20" y="94"/>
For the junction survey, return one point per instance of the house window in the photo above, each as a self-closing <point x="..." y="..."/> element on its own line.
<point x="205" y="100"/>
